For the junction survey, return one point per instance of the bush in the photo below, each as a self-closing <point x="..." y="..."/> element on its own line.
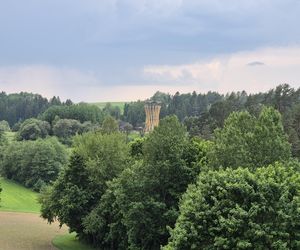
<point x="64" y="129"/>
<point x="237" y="209"/>
<point x="4" y="126"/>
<point x="32" y="129"/>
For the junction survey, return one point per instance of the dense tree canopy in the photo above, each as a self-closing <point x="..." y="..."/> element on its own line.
<point x="16" y="107"/>
<point x="237" y="209"/>
<point x="33" y="163"/>
<point x="64" y="129"/>
<point x="251" y="142"/>
<point x="109" y="125"/>
<point x="96" y="159"/>
<point x="119" y="195"/>
<point x="111" y="110"/>
<point x="139" y="204"/>
<point x="32" y="129"/>
<point x="81" y="112"/>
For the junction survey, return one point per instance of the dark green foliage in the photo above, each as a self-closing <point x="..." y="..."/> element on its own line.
<point x="202" y="126"/>
<point x="292" y="127"/>
<point x="97" y="158"/>
<point x="136" y="147"/>
<point x="237" y="209"/>
<point x="71" y="195"/>
<point x="32" y="129"/>
<point x="33" y="163"/>
<point x="81" y="112"/>
<point x="115" y="201"/>
<point x="251" y="142"/>
<point x="105" y="222"/>
<point x="134" y="113"/>
<point x="16" y="107"/>
<point x="143" y="200"/>
<point x="113" y="111"/>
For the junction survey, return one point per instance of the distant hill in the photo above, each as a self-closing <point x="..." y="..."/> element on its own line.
<point x="114" y="104"/>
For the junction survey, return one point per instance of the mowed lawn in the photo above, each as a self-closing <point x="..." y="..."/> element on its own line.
<point x="16" y="198"/>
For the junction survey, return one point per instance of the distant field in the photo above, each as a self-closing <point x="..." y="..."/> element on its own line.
<point x="102" y="104"/>
<point x="16" y="198"/>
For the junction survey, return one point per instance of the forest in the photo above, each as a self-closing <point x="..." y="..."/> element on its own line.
<point x="219" y="172"/>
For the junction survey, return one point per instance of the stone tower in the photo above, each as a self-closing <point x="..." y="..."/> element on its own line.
<point x="152" y="110"/>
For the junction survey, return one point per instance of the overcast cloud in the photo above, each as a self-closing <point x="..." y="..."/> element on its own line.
<point x="127" y="49"/>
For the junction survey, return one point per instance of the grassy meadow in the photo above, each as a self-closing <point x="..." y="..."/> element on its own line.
<point x="101" y="105"/>
<point x="16" y="198"/>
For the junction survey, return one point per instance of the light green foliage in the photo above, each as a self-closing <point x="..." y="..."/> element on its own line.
<point x="10" y="136"/>
<point x="4" y="126"/>
<point x="16" y="198"/>
<point x="237" y="209"/>
<point x="33" y="163"/>
<point x="109" y="125"/>
<point x="96" y="159"/>
<point x="271" y="142"/>
<point x="250" y="142"/>
<point x="32" y="129"/>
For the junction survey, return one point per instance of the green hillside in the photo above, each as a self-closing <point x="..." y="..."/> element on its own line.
<point x="114" y="104"/>
<point x="16" y="198"/>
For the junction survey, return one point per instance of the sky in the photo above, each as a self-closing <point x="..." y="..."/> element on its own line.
<point x="124" y="50"/>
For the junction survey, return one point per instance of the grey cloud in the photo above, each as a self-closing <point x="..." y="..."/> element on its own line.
<point x="116" y="38"/>
<point x="256" y="63"/>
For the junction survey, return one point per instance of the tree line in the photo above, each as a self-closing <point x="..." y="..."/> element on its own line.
<point x="203" y="113"/>
<point x="19" y="107"/>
